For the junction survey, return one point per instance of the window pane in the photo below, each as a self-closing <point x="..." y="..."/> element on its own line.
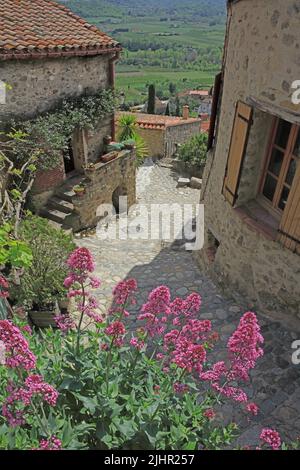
<point x="283" y="133"/>
<point x="291" y="172"/>
<point x="283" y="198"/>
<point x="276" y="162"/>
<point x="297" y="146"/>
<point x="269" y="187"/>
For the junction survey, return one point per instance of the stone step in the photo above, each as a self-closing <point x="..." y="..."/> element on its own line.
<point x="58" y="226"/>
<point x="65" y="195"/>
<point x="60" y="204"/>
<point x="54" y="214"/>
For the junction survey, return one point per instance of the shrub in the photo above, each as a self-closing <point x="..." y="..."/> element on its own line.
<point x="42" y="281"/>
<point x="128" y="134"/>
<point x="151" y="387"/>
<point x="194" y="150"/>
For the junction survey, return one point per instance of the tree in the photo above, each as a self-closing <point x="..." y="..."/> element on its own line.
<point x="151" y="99"/>
<point x="172" y="88"/>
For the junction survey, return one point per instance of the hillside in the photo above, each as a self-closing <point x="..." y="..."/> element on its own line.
<point x="167" y="42"/>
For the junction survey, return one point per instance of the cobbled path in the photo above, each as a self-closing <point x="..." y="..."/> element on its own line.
<point x="276" y="381"/>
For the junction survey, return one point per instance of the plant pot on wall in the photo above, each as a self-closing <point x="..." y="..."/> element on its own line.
<point x="109" y="157"/>
<point x="79" y="190"/>
<point x="43" y="317"/>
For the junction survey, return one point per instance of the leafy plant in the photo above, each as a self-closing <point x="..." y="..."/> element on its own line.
<point x="109" y="387"/>
<point x="194" y="150"/>
<point x="51" y="132"/>
<point x="128" y="134"/>
<point x="42" y="281"/>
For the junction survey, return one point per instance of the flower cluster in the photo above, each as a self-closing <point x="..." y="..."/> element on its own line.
<point x="17" y="350"/>
<point x="3" y="287"/>
<point x="271" y="437"/>
<point x="79" y="282"/>
<point x="116" y="330"/>
<point x="50" y="444"/>
<point x="14" y="407"/>
<point x="243" y="350"/>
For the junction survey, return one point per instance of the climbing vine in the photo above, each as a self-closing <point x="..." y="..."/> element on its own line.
<point x="50" y="132"/>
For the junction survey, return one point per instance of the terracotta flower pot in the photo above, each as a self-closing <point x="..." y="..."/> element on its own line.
<point x="108" y="157"/>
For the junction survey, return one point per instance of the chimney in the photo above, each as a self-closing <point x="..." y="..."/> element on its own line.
<point x="185" y="112"/>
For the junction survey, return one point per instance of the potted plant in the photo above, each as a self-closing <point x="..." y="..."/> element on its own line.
<point x="41" y="285"/>
<point x="79" y="189"/>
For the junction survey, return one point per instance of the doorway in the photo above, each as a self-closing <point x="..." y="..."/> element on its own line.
<point x="68" y="156"/>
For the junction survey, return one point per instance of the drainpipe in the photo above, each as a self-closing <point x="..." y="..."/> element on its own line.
<point x="112" y="85"/>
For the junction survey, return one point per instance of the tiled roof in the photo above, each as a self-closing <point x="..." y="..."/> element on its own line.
<point x="43" y="28"/>
<point x="153" y="121"/>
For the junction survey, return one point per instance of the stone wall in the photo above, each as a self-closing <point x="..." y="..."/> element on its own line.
<point x="38" y="85"/>
<point x="116" y="176"/>
<point x="179" y="134"/>
<point x="263" y="59"/>
<point x="155" y="141"/>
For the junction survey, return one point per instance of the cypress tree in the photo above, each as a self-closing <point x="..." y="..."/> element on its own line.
<point x="151" y="99"/>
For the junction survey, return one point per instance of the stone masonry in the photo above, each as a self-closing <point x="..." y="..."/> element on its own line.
<point x="244" y="260"/>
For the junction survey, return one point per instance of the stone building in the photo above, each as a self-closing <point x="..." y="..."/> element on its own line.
<point x="48" y="54"/>
<point x="163" y="133"/>
<point x="251" y="183"/>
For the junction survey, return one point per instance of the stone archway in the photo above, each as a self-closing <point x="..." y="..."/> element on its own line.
<point x="118" y="201"/>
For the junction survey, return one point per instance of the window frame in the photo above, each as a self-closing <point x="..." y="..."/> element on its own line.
<point x="288" y="156"/>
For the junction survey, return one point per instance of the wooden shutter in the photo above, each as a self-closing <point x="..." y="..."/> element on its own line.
<point x="289" y="230"/>
<point x="238" y="145"/>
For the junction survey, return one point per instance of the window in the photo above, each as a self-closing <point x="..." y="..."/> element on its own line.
<point x="282" y="158"/>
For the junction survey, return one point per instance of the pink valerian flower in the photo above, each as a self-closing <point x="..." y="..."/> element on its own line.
<point x="81" y="260"/>
<point x="27" y="329"/>
<point x="188" y="356"/>
<point x="153" y="326"/>
<point x="209" y="413"/>
<point x="2" y="353"/>
<point x="65" y="323"/>
<point x="156" y="389"/>
<point x="244" y="346"/>
<point x="17" y="349"/>
<point x="136" y="343"/>
<point x="180" y="388"/>
<point x="36" y="386"/>
<point x="3" y="287"/>
<point x="271" y="437"/>
<point x="188" y="307"/>
<point x="116" y="328"/>
<point x="90" y="308"/>
<point x="117" y="331"/>
<point x="158" y="302"/>
<point x="14" y="407"/>
<point x="244" y="350"/>
<point x="50" y="444"/>
<point x="252" y="408"/>
<point x="95" y="283"/>
<point x="124" y="292"/>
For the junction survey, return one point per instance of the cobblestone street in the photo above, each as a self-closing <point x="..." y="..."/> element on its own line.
<point x="276" y="382"/>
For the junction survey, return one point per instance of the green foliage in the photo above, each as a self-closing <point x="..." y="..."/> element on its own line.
<point x="151" y="99"/>
<point x="15" y="253"/>
<point x="50" y="133"/>
<point x="127" y="127"/>
<point x="128" y="134"/>
<point x="42" y="280"/>
<point x="118" y="410"/>
<point x="194" y="150"/>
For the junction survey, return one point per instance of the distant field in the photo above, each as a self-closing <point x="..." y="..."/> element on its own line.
<point x="185" y="51"/>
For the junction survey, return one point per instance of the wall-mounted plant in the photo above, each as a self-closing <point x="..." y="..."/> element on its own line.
<point x="51" y="132"/>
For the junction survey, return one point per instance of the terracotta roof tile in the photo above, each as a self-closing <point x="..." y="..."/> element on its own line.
<point x="153" y="121"/>
<point x="43" y="26"/>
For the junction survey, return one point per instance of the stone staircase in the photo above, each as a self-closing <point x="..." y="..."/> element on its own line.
<point x="59" y="209"/>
